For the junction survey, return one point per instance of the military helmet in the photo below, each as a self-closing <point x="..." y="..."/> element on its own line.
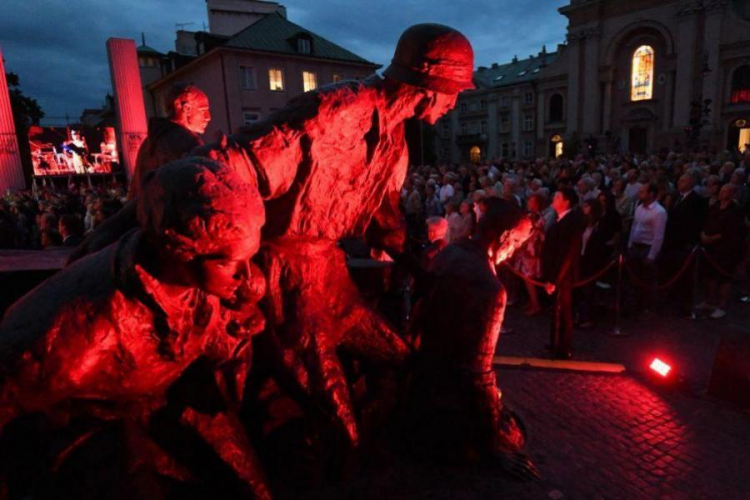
<point x="433" y="57"/>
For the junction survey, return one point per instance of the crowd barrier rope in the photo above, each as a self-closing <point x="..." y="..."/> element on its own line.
<point x="715" y="265"/>
<point x="670" y="282"/>
<point x="622" y="263"/>
<point x="634" y="275"/>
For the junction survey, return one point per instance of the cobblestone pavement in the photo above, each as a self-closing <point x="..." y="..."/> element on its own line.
<point x="601" y="436"/>
<point x="604" y="436"/>
<point x="689" y="344"/>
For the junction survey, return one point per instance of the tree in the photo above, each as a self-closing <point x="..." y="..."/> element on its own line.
<point x="26" y="112"/>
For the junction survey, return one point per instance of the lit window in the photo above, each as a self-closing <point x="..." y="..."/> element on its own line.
<point x="304" y="46"/>
<point x="642" y="85"/>
<point x="336" y="78"/>
<point x="309" y="81"/>
<point x="247" y="78"/>
<point x="250" y="117"/>
<point x="276" y="79"/>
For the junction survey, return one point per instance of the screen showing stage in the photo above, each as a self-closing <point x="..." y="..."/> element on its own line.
<point x="73" y="151"/>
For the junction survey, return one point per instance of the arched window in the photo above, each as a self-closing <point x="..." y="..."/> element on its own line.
<point x="642" y="79"/>
<point x="741" y="84"/>
<point x="556" y="108"/>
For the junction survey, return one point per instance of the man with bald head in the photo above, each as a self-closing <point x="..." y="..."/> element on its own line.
<point x="173" y="137"/>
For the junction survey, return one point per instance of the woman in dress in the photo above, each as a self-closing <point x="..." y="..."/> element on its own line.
<point x="527" y="259"/>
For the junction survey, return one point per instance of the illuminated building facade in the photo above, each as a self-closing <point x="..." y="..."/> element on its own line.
<point x="248" y="73"/>
<point x="642" y="76"/>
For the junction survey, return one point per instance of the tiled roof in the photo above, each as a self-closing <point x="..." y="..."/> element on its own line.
<point x="517" y="71"/>
<point x="275" y="33"/>
<point x="145" y="49"/>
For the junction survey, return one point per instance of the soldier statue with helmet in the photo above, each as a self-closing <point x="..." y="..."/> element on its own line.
<point x="331" y="165"/>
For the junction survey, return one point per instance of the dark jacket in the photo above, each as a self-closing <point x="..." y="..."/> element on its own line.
<point x="685" y="221"/>
<point x="561" y="253"/>
<point x="166" y="141"/>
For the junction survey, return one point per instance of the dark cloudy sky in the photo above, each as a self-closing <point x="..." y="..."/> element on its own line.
<point x="57" y="46"/>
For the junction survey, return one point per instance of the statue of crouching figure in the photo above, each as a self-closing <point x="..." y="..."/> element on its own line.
<point x="453" y="408"/>
<point x="92" y="398"/>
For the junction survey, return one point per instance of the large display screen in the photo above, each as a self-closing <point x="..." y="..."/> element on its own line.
<point x="73" y="151"/>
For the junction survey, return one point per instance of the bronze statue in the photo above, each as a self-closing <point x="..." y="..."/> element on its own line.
<point x="107" y="337"/>
<point x="330" y="165"/>
<point x="173" y="137"/>
<point x="168" y="139"/>
<point x="454" y="407"/>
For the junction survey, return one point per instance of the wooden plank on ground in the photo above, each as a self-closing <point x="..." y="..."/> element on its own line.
<point x="555" y="364"/>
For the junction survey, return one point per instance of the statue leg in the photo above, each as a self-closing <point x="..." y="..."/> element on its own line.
<point x="305" y="324"/>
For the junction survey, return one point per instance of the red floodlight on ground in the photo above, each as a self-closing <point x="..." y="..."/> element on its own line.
<point x="660" y="367"/>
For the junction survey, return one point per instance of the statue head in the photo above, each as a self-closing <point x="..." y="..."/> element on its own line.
<point x="503" y="229"/>
<point x="205" y="223"/>
<point x="436" y="59"/>
<point x="188" y="106"/>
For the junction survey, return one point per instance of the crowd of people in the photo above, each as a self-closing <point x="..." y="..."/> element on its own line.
<point x="54" y="216"/>
<point x="652" y="210"/>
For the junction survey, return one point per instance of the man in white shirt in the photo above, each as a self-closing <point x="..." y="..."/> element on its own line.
<point x="646" y="241"/>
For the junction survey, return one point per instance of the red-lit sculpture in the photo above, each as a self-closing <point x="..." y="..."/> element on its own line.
<point x="168" y="139"/>
<point x="107" y="337"/>
<point x="454" y="408"/>
<point x="331" y="165"/>
<point x="173" y="137"/>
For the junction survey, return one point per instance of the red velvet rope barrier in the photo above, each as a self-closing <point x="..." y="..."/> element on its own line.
<point x="714" y="264"/>
<point x="638" y="281"/>
<point x="644" y="284"/>
<point x="578" y="284"/>
<point x="595" y="276"/>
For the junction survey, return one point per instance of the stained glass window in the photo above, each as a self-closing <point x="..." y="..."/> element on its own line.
<point x="642" y="87"/>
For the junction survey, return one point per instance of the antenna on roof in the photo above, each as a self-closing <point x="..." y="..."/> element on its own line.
<point x="181" y="26"/>
<point x="143" y="38"/>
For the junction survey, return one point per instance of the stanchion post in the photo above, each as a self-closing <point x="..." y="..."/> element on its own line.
<point x="616" y="332"/>
<point x="698" y="250"/>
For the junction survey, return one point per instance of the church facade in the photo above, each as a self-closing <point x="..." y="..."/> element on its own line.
<point x="640" y="76"/>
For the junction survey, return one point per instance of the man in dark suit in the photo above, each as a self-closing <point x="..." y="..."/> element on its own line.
<point x="684" y="225"/>
<point x="561" y="256"/>
<point x="71" y="231"/>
